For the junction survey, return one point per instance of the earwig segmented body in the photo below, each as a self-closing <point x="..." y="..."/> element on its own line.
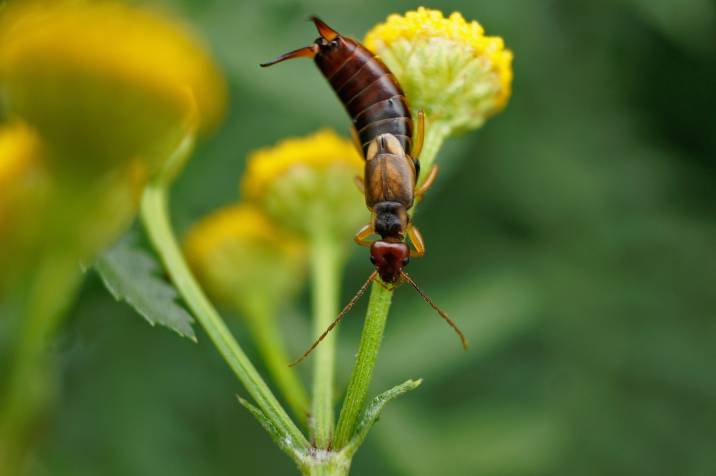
<point x="368" y="90"/>
<point x="383" y="132"/>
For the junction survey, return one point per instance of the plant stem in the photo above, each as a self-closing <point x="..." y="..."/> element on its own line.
<point x="435" y="135"/>
<point x="371" y="337"/>
<point x="266" y="335"/>
<point x="155" y="216"/>
<point x="325" y="261"/>
<point x="330" y="464"/>
<point x="29" y="385"/>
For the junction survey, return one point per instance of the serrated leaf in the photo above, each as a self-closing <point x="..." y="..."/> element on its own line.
<point x="131" y="274"/>
<point x="374" y="409"/>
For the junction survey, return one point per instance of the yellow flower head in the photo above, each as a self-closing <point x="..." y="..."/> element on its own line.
<point x="244" y="259"/>
<point x="307" y="183"/>
<point x="448" y="67"/>
<point x="105" y="81"/>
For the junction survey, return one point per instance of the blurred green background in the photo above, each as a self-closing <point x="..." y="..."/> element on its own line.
<point x="573" y="239"/>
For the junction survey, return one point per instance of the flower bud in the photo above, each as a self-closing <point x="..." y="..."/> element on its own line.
<point x="244" y="260"/>
<point x="307" y="184"/>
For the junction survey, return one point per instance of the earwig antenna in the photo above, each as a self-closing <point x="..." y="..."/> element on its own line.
<point x="442" y="313"/>
<point x="343" y="313"/>
<point x="305" y="52"/>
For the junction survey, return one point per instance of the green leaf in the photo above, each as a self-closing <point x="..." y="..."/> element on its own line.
<point x="283" y="440"/>
<point x="374" y="409"/>
<point x="131" y="274"/>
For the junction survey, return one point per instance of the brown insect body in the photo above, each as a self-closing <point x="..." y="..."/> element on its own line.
<point x="383" y="131"/>
<point x="368" y="90"/>
<point x="382" y="121"/>
<point x="383" y="125"/>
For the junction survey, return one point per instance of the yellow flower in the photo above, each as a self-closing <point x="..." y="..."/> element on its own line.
<point x="448" y="67"/>
<point x="245" y="260"/>
<point x="104" y="82"/>
<point x="307" y="185"/>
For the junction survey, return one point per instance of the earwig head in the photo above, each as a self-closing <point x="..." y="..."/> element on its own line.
<point x="389" y="259"/>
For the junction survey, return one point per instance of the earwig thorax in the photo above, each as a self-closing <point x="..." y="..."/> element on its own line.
<point x="390" y="220"/>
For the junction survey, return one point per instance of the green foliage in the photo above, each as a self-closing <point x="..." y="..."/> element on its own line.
<point x="375" y="408"/>
<point x="282" y="439"/>
<point x="131" y="274"/>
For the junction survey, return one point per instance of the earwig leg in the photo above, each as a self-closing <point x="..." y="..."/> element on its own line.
<point x="359" y="183"/>
<point x="362" y="236"/>
<point x="427" y="183"/>
<point x="356" y="141"/>
<point x="417" y="239"/>
<point x="419" y="136"/>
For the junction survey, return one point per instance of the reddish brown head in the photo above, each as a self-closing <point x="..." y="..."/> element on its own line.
<point x="389" y="259"/>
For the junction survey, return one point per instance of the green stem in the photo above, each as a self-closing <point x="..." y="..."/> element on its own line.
<point x="155" y="216"/>
<point x="371" y="337"/>
<point x="330" y="464"/>
<point x="325" y="264"/>
<point x="435" y="135"/>
<point x="266" y="335"/>
<point x="29" y="386"/>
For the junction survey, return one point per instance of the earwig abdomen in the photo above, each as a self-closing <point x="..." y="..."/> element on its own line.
<point x="368" y="91"/>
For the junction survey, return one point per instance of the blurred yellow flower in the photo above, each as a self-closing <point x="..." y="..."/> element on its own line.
<point x="244" y="259"/>
<point x="322" y="150"/>
<point x="18" y="155"/>
<point x="305" y="183"/>
<point x="448" y="67"/>
<point x="22" y="187"/>
<point x="103" y="82"/>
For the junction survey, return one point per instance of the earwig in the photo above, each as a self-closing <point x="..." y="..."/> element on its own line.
<point x="384" y="134"/>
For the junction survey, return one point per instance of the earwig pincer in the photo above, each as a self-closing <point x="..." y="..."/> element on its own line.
<point x="384" y="135"/>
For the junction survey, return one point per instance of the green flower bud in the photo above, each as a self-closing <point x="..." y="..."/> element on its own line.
<point x="307" y="185"/>
<point x="245" y="261"/>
